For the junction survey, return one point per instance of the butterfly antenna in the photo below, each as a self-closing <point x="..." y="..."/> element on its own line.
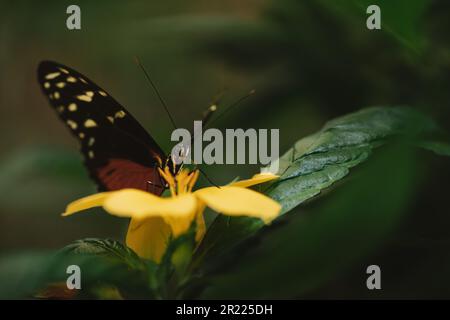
<point x="213" y="106"/>
<point x="232" y="106"/>
<point x="208" y="114"/>
<point x="156" y="91"/>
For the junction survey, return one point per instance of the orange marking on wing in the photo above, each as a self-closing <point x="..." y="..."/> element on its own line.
<point x="120" y="173"/>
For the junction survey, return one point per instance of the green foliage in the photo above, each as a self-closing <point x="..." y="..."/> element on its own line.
<point x="312" y="245"/>
<point x="107" y="248"/>
<point x="234" y="260"/>
<point x="315" y="163"/>
<point x="319" y="160"/>
<point x="309" y="61"/>
<point x="439" y="147"/>
<point x="103" y="262"/>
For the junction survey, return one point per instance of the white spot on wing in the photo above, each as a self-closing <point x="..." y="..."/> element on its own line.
<point x="63" y="70"/>
<point x="89" y="123"/>
<point x="120" y="114"/>
<point x="72" y="107"/>
<point x="71" y="79"/>
<point x="84" y="97"/>
<point x="52" y="75"/>
<point x="72" y="124"/>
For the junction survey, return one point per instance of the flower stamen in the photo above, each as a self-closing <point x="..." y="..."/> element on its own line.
<point x="181" y="180"/>
<point x="182" y="183"/>
<point x="169" y="179"/>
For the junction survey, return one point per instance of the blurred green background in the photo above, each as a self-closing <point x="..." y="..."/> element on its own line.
<point x="309" y="62"/>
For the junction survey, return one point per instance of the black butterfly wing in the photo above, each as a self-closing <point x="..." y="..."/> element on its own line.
<point x="118" y="151"/>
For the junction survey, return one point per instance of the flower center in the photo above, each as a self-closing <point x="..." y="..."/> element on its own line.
<point x="182" y="182"/>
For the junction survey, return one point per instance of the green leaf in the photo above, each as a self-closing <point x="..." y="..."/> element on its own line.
<point x="307" y="248"/>
<point x="172" y="273"/>
<point x="439" y="147"/>
<point x="313" y="164"/>
<point x="108" y="248"/>
<point x="319" y="160"/>
<point x="105" y="262"/>
<point x="223" y="234"/>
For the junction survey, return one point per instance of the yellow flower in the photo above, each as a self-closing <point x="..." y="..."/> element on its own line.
<point x="154" y="220"/>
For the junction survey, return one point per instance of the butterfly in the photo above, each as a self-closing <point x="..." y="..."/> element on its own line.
<point x="118" y="152"/>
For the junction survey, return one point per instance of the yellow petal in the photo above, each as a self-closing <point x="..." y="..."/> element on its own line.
<point x="178" y="211"/>
<point x="148" y="237"/>
<point x="95" y="200"/>
<point x="256" y="179"/>
<point x="201" y="225"/>
<point x="237" y="201"/>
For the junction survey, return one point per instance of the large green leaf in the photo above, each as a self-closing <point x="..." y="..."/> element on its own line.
<point x="439" y="147"/>
<point x="108" y="248"/>
<point x="105" y="262"/>
<point x="315" y="163"/>
<point x="309" y="247"/>
<point x="319" y="160"/>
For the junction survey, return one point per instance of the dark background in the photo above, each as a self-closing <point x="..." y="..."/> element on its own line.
<point x="309" y="61"/>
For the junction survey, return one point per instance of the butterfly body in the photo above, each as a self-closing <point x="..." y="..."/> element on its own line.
<point x="118" y="152"/>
